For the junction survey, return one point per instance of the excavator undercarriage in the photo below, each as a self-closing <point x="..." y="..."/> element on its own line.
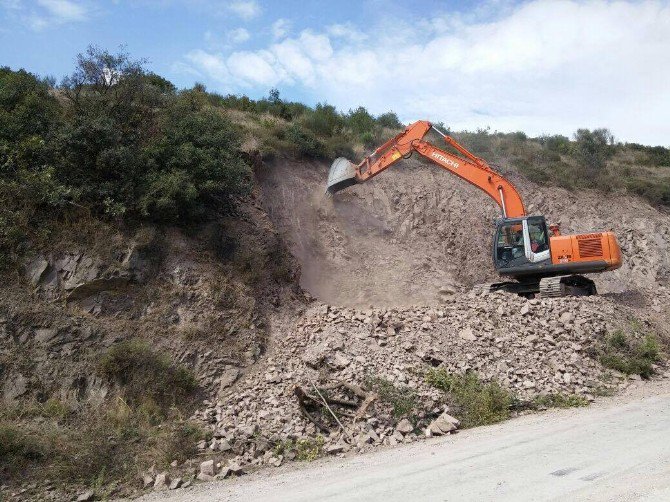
<point x="540" y="260"/>
<point x="543" y="287"/>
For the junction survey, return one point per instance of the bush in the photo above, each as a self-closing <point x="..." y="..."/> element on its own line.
<point x="560" y="401"/>
<point x="592" y="149"/>
<point x="360" y="121"/>
<point x="390" y="120"/>
<point x="402" y="399"/>
<point x="556" y="143"/>
<point x="194" y="166"/>
<point x="306" y="450"/>
<point x="475" y="402"/>
<point x="630" y="355"/>
<point x="304" y="142"/>
<point x="147" y="379"/>
<point x="18" y="449"/>
<point x="324" y="120"/>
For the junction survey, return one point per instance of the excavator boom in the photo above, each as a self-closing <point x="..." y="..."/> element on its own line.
<point x="466" y="166"/>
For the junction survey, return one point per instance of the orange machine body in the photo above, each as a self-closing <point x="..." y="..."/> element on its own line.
<point x="595" y="247"/>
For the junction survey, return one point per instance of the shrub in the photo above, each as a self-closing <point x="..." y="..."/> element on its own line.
<point x="304" y="142"/>
<point x="324" y="120"/>
<point x="18" y="449"/>
<point x="360" y="121"/>
<point x="147" y="379"/>
<point x="193" y="166"/>
<point x="475" y="402"/>
<point x="390" y="120"/>
<point x="629" y="355"/>
<point x="556" y="143"/>
<point x="560" y="401"/>
<point x="402" y="399"/>
<point x="306" y="450"/>
<point x="592" y="149"/>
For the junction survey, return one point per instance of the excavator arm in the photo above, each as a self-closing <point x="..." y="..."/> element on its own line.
<point x="466" y="166"/>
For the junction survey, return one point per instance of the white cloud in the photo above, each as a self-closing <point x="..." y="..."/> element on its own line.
<point x="544" y="66"/>
<point x="247" y="9"/>
<point x="239" y="36"/>
<point x="46" y="13"/>
<point x="64" y="10"/>
<point x="346" y="31"/>
<point x="280" y="28"/>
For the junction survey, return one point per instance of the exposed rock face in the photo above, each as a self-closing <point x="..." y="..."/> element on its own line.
<point x="416" y="235"/>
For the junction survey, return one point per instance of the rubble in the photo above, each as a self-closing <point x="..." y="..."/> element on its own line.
<point x="338" y="350"/>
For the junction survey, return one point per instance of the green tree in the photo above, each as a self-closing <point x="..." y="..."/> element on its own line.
<point x="390" y="120"/>
<point x="193" y="166"/>
<point x="592" y="149"/>
<point x="360" y="121"/>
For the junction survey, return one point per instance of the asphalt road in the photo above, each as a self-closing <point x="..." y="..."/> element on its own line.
<point x="618" y="449"/>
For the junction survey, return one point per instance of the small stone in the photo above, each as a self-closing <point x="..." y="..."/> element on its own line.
<point x="228" y="378"/>
<point x="207" y="468"/>
<point x="175" y="483"/>
<point x="404" y="426"/>
<point x="86" y="496"/>
<point x="276" y="461"/>
<point x="443" y="424"/>
<point x="236" y="468"/>
<point x="161" y="482"/>
<point x="525" y="310"/>
<point x="204" y="477"/>
<point x="147" y="480"/>
<point x="467" y="334"/>
<point x="223" y="473"/>
<point x="334" y="449"/>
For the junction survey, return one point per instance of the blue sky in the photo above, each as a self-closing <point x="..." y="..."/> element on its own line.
<point x="541" y="66"/>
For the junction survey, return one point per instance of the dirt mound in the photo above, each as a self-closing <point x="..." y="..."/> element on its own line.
<point x="415" y="232"/>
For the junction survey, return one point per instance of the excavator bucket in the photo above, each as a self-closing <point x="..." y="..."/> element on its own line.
<point x="342" y="174"/>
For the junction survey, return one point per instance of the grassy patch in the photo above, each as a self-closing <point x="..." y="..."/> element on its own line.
<point x="474" y="402"/>
<point x="631" y="354"/>
<point x="306" y="450"/>
<point x="560" y="401"/>
<point x="113" y="442"/>
<point x="402" y="399"/>
<point x="148" y="381"/>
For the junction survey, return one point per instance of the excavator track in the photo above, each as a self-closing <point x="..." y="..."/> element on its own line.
<point x="567" y="285"/>
<point x="547" y="287"/>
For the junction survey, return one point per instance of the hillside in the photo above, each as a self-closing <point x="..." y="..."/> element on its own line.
<point x="176" y="284"/>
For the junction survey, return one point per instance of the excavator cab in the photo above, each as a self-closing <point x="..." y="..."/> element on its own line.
<point x="521" y="244"/>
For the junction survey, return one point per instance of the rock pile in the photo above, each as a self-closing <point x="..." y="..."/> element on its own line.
<point x="531" y="347"/>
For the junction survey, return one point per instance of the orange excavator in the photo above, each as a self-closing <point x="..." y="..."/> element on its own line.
<point x="538" y="258"/>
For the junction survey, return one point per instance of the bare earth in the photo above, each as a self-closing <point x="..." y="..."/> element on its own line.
<point x="617" y="449"/>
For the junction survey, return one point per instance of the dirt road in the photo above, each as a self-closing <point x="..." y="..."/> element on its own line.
<point x="618" y="449"/>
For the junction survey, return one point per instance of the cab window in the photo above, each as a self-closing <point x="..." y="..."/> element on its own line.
<point x="510" y="248"/>
<point x="537" y="231"/>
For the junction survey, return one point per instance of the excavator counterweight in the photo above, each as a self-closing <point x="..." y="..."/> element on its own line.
<point x="525" y="248"/>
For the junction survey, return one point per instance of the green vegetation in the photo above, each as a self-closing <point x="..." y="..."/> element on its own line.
<point x="474" y="402"/>
<point x="402" y="399"/>
<point x="560" y="401"/>
<point x="633" y="353"/>
<point x="148" y="381"/>
<point x="591" y="159"/>
<point x="306" y="450"/>
<point x="142" y="426"/>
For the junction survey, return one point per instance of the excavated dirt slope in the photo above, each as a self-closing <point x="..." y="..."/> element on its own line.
<point x="415" y="230"/>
